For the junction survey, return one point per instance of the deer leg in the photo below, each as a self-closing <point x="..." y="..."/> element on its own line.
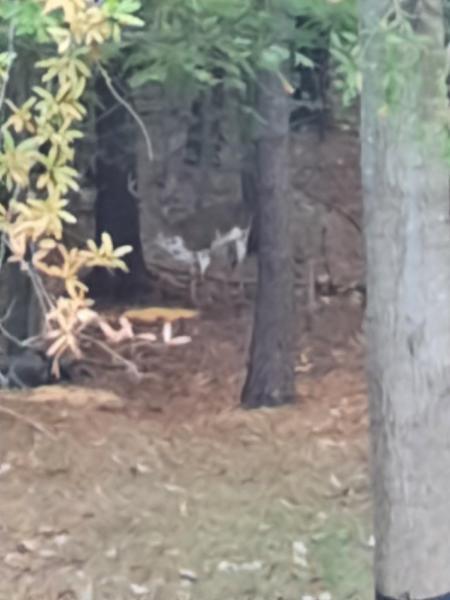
<point x="202" y="263"/>
<point x="311" y="292"/>
<point x="193" y="286"/>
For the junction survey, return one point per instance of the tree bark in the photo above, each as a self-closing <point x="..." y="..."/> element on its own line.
<point x="270" y="377"/>
<point x="18" y="298"/>
<point x="406" y="205"/>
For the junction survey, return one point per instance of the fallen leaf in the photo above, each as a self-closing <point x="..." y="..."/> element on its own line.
<point x="61" y="539"/>
<point x="299" y="553"/>
<point x="188" y="575"/>
<point x="335" y="482"/>
<point x="30" y="545"/>
<point x="16" y="560"/>
<point x="111" y="553"/>
<point x="229" y="567"/>
<point x="5" y="468"/>
<point x="181" y="340"/>
<point x="139" y="590"/>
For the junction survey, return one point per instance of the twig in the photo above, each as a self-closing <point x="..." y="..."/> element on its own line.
<point x="8" y="312"/>
<point x="130" y="366"/>
<point x="130" y="109"/>
<point x="9" y="336"/>
<point x="28" y="343"/>
<point x="43" y="296"/>
<point x="44" y="299"/>
<point x="28" y="421"/>
<point x="20" y="344"/>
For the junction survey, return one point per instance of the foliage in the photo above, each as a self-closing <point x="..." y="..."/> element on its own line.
<point x="186" y="46"/>
<point x="192" y="45"/>
<point x="37" y="152"/>
<point x="199" y="43"/>
<point x="28" y="18"/>
<point x="402" y="50"/>
<point x="345" y="50"/>
<point x="196" y="44"/>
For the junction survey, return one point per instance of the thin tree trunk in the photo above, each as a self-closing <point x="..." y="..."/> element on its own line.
<point x="116" y="210"/>
<point x="406" y="203"/>
<point x="18" y="298"/>
<point x="270" y="377"/>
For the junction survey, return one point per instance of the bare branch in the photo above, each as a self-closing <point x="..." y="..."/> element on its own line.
<point x="28" y="343"/>
<point x="34" y="424"/>
<point x="130" y="109"/>
<point x="129" y="366"/>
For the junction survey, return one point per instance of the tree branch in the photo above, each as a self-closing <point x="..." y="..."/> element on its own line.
<point x="130" y="109"/>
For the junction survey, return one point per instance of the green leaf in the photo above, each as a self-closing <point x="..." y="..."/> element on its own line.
<point x="303" y="60"/>
<point x="272" y="58"/>
<point x="129" y="20"/>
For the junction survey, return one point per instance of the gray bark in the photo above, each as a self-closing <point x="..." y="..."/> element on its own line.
<point x="406" y="204"/>
<point x="270" y="378"/>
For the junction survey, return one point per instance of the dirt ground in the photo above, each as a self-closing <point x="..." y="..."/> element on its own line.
<point x="174" y="492"/>
<point x="166" y="490"/>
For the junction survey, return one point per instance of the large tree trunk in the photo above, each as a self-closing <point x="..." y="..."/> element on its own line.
<point x="406" y="198"/>
<point x="270" y="378"/>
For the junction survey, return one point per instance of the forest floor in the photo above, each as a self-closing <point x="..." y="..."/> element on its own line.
<point x="170" y="491"/>
<point x="167" y="490"/>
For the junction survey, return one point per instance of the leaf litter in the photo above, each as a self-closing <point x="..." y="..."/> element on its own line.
<point x="199" y="499"/>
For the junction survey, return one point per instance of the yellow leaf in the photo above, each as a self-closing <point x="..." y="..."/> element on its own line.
<point x="47" y="244"/>
<point x="122" y="251"/>
<point x="67" y="217"/>
<point x="43" y="180"/>
<point x="107" y="244"/>
<point x="57" y="346"/>
<point x="51" y="5"/>
<point x="64" y="44"/>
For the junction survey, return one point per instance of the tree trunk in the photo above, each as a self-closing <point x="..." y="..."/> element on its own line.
<point x="406" y="204"/>
<point x="270" y="377"/>
<point x="116" y="210"/>
<point x="18" y="298"/>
